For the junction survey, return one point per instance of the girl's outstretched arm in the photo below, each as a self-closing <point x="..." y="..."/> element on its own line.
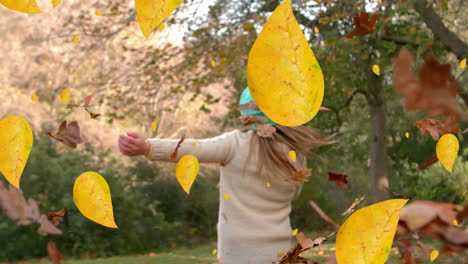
<point x="218" y="149"/>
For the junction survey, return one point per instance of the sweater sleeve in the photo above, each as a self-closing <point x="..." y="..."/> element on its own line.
<point x="210" y="150"/>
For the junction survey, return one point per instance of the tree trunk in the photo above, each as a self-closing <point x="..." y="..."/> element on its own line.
<point x="377" y="144"/>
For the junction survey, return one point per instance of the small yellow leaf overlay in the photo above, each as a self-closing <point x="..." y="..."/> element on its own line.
<point x="76" y="39"/>
<point x="447" y="150"/>
<point x="194" y="144"/>
<point x="463" y="64"/>
<point x="376" y="69"/>
<point x="294" y="232"/>
<point x="226" y="196"/>
<point x="154" y="126"/>
<point x="367" y="235"/>
<point x="16" y="140"/>
<point x="161" y="27"/>
<point x="455" y="222"/>
<point x="24" y="6"/>
<point x="292" y="155"/>
<point x="151" y="13"/>
<point x="316" y="30"/>
<point x="186" y="171"/>
<point x="34" y="98"/>
<point x="97" y="12"/>
<point x="124" y="124"/>
<point x="406" y="135"/>
<point x="55" y="3"/>
<point x="282" y="50"/>
<point x="92" y="197"/>
<point x="268" y="184"/>
<point x="214" y="251"/>
<point x="434" y="255"/>
<point x="65" y="96"/>
<point x="213" y="63"/>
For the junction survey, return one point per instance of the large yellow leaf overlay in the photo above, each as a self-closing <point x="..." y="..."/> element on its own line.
<point x="447" y="149"/>
<point x="283" y="71"/>
<point x="92" y="197"/>
<point x="16" y="140"/>
<point x="151" y="13"/>
<point x="186" y="171"/>
<point x="366" y="236"/>
<point x="24" y="6"/>
<point x="55" y="3"/>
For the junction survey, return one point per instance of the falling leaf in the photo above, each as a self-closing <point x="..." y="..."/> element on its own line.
<point x="434" y="255"/>
<point x="24" y="6"/>
<point x="339" y="179"/>
<point x="153" y="126"/>
<point x="268" y="184"/>
<point x="97" y="12"/>
<point x="213" y="63"/>
<point x="194" y="144"/>
<point x="463" y="64"/>
<point x="316" y="30"/>
<point x="447" y="150"/>
<point x="92" y="115"/>
<point x="76" y="39"/>
<point x="294" y="232"/>
<point x="292" y="155"/>
<point x="34" y="98"/>
<point x="434" y="92"/>
<point x="124" y="124"/>
<point x="68" y="134"/>
<point x="53" y="253"/>
<point x="55" y="3"/>
<point x="161" y="27"/>
<point x="151" y="13"/>
<point x="186" y="171"/>
<point x="16" y="141"/>
<point x="265" y="130"/>
<point x="362" y="25"/>
<point x="282" y="50"/>
<point x="353" y="206"/>
<point x="214" y="251"/>
<point x="406" y="135"/>
<point x="55" y="217"/>
<point x="92" y="197"/>
<point x="438" y="127"/>
<point x="376" y="69"/>
<point x="226" y="196"/>
<point x="367" y="235"/>
<point x="455" y="222"/>
<point x="302" y="174"/>
<point x="65" y="96"/>
<point x="176" y="150"/>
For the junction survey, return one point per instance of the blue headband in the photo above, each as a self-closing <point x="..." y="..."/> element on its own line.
<point x="247" y="98"/>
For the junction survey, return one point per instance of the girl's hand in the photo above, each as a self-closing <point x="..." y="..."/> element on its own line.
<point x="133" y="145"/>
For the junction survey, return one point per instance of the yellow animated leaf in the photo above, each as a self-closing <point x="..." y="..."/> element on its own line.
<point x="213" y="63"/>
<point x="16" y="140"/>
<point x="76" y="39"/>
<point x="463" y="64"/>
<point x="214" y="251"/>
<point x="281" y="50"/>
<point x="151" y="13"/>
<point x="124" y="124"/>
<point x="455" y="222"/>
<point x="292" y="155"/>
<point x="447" y="150"/>
<point x="376" y="69"/>
<point x="366" y="236"/>
<point x="316" y="30"/>
<point x="294" y="232"/>
<point x="92" y="197"/>
<point x="406" y="135"/>
<point x="434" y="255"/>
<point x="186" y="171"/>
<point x="34" y="98"/>
<point x="268" y="185"/>
<point x="97" y="12"/>
<point x="55" y="3"/>
<point x="161" y="27"/>
<point x="194" y="144"/>
<point x="65" y="96"/>
<point x="226" y="196"/>
<point x="24" y="6"/>
<point x="154" y="126"/>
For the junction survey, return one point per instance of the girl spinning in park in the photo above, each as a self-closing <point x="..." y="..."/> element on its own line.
<point x="257" y="184"/>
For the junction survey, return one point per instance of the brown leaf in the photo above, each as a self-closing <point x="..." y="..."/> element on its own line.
<point x="303" y="244"/>
<point x="354" y="205"/>
<point x="250" y="119"/>
<point x="302" y="174"/>
<point x="265" y="130"/>
<point x="434" y="92"/>
<point x="87" y="101"/>
<point x="362" y="25"/>
<point x="428" y="163"/>
<point x="53" y="253"/>
<point x="92" y="115"/>
<point x="436" y="128"/>
<point x="339" y="179"/>
<point x="176" y="150"/>
<point x="55" y="217"/>
<point x="68" y="134"/>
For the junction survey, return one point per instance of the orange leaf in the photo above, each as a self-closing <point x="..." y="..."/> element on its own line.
<point x="363" y="25"/>
<point x="339" y="179"/>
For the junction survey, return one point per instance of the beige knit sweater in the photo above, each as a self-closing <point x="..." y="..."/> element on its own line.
<point x="253" y="223"/>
